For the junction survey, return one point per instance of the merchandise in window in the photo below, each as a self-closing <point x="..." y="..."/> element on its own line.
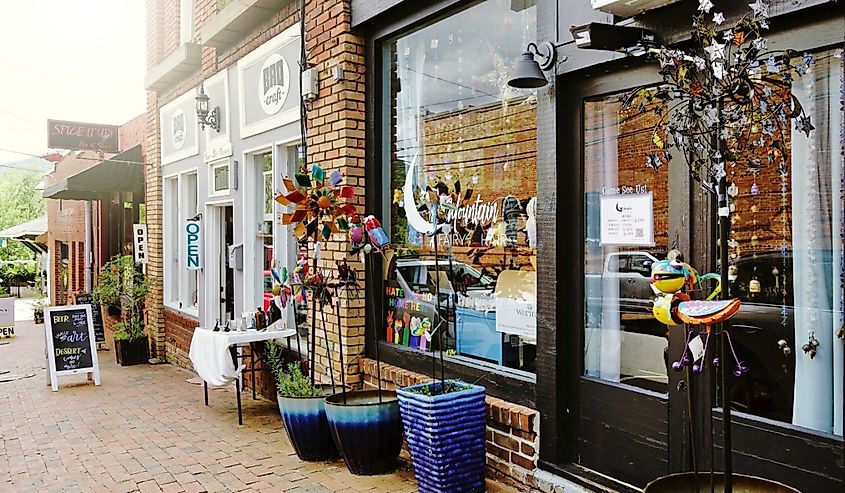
<point x="461" y="137"/>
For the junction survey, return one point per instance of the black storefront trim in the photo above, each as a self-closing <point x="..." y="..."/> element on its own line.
<point x="515" y="387"/>
<point x="587" y="478"/>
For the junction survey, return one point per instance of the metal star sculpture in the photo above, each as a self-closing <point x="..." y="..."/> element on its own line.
<point x="725" y="99"/>
<point x="321" y="207"/>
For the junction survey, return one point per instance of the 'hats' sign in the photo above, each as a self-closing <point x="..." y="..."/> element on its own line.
<point x="193" y="235"/>
<point x="78" y="136"/>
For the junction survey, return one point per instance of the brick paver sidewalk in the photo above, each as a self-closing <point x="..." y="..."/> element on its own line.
<point x="146" y="429"/>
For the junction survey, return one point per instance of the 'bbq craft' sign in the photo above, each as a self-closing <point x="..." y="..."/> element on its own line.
<point x="78" y="136"/>
<point x="70" y="342"/>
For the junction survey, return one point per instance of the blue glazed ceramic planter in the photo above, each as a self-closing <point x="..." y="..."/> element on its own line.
<point x="446" y="436"/>
<point x="367" y="432"/>
<point x="307" y="427"/>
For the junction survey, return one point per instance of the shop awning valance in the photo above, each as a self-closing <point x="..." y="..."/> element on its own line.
<point x="29" y="230"/>
<point x="122" y="172"/>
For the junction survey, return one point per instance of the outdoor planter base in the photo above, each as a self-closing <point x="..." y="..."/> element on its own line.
<point x="131" y="353"/>
<point x="446" y="437"/>
<point x="685" y="483"/>
<point x="367" y="432"/>
<point x="307" y="427"/>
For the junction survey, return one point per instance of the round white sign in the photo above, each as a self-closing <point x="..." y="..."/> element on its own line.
<point x="177" y="129"/>
<point x="273" y="83"/>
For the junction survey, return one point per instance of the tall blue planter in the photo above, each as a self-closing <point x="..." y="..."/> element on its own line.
<point x="307" y="427"/>
<point x="367" y="430"/>
<point x="446" y="436"/>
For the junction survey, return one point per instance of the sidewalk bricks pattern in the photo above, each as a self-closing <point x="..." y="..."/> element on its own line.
<point x="145" y="429"/>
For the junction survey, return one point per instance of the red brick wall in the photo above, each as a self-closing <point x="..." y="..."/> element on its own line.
<point x="336" y="140"/>
<point x="178" y="329"/>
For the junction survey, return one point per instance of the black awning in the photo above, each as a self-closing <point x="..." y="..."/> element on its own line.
<point x="122" y="172"/>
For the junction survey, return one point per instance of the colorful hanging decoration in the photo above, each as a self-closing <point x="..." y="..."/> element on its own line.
<point x="321" y="206"/>
<point x="727" y="98"/>
<point x="673" y="281"/>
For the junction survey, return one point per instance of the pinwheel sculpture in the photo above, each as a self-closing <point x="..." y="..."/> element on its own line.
<point x="321" y="206"/>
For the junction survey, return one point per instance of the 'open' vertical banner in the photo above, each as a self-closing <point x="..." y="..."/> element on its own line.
<point x="193" y="236"/>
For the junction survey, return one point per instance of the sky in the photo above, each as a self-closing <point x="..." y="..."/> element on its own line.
<point x="80" y="60"/>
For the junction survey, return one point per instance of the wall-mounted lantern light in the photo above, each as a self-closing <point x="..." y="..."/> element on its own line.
<point x="527" y="72"/>
<point x="207" y="118"/>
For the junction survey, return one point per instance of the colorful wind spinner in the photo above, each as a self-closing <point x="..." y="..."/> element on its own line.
<point x="321" y="207"/>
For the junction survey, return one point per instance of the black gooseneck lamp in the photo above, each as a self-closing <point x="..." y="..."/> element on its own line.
<point x="205" y="116"/>
<point x="527" y="73"/>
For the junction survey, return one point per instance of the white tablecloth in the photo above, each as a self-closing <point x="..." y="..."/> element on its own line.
<point x="210" y="354"/>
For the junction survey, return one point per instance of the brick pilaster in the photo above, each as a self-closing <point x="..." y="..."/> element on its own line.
<point x="335" y="128"/>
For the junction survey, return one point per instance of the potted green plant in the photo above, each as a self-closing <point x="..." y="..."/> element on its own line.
<point x="41" y="301"/>
<point x="121" y="284"/>
<point x="302" y="407"/>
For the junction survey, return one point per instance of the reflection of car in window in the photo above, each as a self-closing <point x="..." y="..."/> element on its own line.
<point x="467" y="307"/>
<point x="763" y="282"/>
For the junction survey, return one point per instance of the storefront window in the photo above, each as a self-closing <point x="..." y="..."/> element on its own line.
<point x="457" y="135"/>
<point x="627" y="220"/>
<point x="264" y="163"/>
<point x="180" y="204"/>
<point x="220" y="178"/>
<point x="786" y="258"/>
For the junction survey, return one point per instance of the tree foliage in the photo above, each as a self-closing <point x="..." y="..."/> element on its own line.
<point x="21" y="202"/>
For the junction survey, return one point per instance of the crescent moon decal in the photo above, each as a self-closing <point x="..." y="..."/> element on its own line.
<point x="411" y="213"/>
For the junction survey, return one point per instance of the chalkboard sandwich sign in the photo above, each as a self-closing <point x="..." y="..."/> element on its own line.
<point x="70" y="342"/>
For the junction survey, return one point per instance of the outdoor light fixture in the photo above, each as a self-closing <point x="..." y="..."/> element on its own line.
<point x="206" y="117"/>
<point x="626" y="39"/>
<point x="527" y="73"/>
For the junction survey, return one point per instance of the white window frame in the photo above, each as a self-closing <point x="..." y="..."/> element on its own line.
<point x="175" y="271"/>
<point x="212" y="191"/>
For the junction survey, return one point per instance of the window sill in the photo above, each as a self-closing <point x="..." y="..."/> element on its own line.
<point x="236" y="20"/>
<point x="183" y="61"/>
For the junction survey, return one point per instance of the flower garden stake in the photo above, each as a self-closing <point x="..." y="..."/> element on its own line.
<point x="725" y="102"/>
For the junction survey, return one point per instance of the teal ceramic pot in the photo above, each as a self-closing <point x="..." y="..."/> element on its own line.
<point x="367" y="430"/>
<point x="307" y="427"/>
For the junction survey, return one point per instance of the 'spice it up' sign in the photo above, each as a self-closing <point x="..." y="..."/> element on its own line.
<point x="193" y="236"/>
<point x="79" y="136"/>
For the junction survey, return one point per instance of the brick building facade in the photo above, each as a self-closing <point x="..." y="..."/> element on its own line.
<point x="336" y="121"/>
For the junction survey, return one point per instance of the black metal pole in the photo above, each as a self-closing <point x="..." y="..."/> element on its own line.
<point x="328" y="348"/>
<point x="312" y="357"/>
<point x="371" y="270"/>
<point x="340" y="343"/>
<point x="439" y="315"/>
<point x="724" y="226"/>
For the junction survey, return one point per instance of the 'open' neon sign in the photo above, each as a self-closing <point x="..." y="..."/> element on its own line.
<point x="193" y="233"/>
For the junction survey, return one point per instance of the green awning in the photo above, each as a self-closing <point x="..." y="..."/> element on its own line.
<point x="122" y="172"/>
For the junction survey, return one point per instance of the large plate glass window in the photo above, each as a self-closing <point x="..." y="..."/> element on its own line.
<point x="455" y="133"/>
<point x="786" y="264"/>
<point x="627" y="219"/>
